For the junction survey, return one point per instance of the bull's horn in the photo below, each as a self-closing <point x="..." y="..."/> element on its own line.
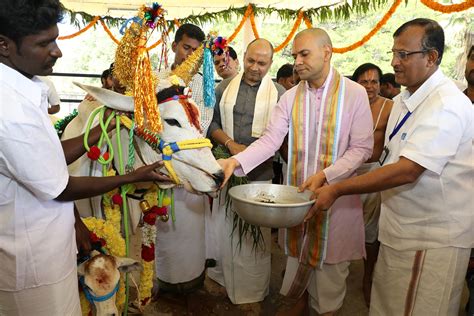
<point x="109" y="98"/>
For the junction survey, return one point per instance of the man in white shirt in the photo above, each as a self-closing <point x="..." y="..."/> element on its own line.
<point x="37" y="237"/>
<point x="426" y="179"/>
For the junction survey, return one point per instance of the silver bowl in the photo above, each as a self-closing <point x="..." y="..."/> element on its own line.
<point x="270" y="205"/>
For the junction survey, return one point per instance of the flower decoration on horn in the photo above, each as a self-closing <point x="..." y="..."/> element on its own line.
<point x="133" y="68"/>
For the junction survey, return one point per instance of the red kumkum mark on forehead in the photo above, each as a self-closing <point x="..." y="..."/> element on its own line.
<point x="192" y="113"/>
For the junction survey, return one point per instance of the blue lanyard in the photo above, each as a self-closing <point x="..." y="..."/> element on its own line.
<point x="399" y="125"/>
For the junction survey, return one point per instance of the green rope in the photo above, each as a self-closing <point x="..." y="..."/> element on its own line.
<point x="173" y="217"/>
<point x="125" y="209"/>
<point x="103" y="126"/>
<point x="131" y="149"/>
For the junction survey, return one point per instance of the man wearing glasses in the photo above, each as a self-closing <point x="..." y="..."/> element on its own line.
<point x="426" y="222"/>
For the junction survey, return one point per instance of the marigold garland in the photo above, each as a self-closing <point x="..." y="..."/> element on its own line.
<point x="292" y="32"/>
<point x="307" y="21"/>
<point x="249" y="13"/>
<point x="109" y="33"/>
<point x="241" y="24"/>
<point x="367" y="37"/>
<point x="91" y="24"/>
<point x="457" y="7"/>
<point x="254" y="27"/>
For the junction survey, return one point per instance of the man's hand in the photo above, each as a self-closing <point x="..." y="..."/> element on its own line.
<point x="325" y="197"/>
<point x="314" y="182"/>
<point x="150" y="173"/>
<point x="83" y="242"/>
<point x="235" y="148"/>
<point x="228" y="166"/>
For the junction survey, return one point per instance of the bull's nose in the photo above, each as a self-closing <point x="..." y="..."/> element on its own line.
<point x="218" y="178"/>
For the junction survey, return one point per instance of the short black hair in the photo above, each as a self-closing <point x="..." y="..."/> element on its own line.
<point x="389" y="78"/>
<point x="105" y="74"/>
<point x="470" y="51"/>
<point x="433" y="38"/>
<point x="363" y="68"/>
<point x="20" y="18"/>
<point x="285" y="71"/>
<point x="191" y="31"/>
<point x="232" y="53"/>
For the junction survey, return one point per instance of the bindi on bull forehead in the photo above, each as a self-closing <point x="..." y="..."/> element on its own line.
<point x="100" y="268"/>
<point x="178" y="93"/>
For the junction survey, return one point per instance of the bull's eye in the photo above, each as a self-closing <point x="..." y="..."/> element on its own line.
<point x="172" y="122"/>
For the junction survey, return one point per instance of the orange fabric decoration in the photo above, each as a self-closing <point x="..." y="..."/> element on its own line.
<point x="91" y="24"/>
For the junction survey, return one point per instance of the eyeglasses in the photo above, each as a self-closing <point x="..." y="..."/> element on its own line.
<point x="402" y="55"/>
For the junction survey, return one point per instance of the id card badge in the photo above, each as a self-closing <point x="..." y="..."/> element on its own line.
<point x="384" y="155"/>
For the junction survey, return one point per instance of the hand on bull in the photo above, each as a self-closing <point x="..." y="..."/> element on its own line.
<point x="150" y="173"/>
<point x="83" y="241"/>
<point x="228" y="166"/>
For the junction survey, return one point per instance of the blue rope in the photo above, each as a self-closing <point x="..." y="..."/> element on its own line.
<point x="91" y="297"/>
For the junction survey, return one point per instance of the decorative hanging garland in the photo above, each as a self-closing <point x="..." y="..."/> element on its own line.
<point x="91" y="24"/>
<point x="241" y="24"/>
<point x="250" y="13"/>
<point x="450" y="8"/>
<point x="367" y="37"/>
<point x="254" y="27"/>
<point x="292" y="32"/>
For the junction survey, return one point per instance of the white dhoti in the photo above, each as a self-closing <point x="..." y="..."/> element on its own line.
<point x="61" y="298"/>
<point x="180" y="246"/>
<point x="241" y="268"/>
<point x="326" y="286"/>
<point x="371" y="206"/>
<point x="425" y="282"/>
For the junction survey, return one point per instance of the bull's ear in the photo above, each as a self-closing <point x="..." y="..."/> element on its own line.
<point x="81" y="269"/>
<point x="127" y="264"/>
<point x="109" y="98"/>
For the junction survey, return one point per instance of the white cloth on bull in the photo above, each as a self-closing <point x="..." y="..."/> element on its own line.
<point x="180" y="247"/>
<point x="242" y="269"/>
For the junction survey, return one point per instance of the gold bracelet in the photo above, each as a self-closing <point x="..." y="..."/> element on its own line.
<point x="227" y="141"/>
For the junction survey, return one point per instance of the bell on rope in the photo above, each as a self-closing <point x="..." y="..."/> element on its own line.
<point x="145" y="207"/>
<point x="164" y="218"/>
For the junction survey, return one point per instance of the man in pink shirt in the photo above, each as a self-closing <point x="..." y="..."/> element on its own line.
<point x="329" y="123"/>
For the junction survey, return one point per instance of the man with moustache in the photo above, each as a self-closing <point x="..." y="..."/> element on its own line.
<point x="426" y="179"/>
<point x="328" y="120"/>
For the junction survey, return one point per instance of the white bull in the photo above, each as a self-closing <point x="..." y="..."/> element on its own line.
<point x="196" y="169"/>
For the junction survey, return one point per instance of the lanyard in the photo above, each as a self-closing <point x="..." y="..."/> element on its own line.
<point x="399" y="125"/>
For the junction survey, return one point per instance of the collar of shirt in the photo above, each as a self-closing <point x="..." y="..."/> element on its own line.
<point x="414" y="100"/>
<point x="242" y="82"/>
<point x="31" y="89"/>
<point x="320" y="89"/>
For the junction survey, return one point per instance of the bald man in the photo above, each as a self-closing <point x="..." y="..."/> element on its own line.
<point x="243" y="107"/>
<point x="329" y="123"/>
